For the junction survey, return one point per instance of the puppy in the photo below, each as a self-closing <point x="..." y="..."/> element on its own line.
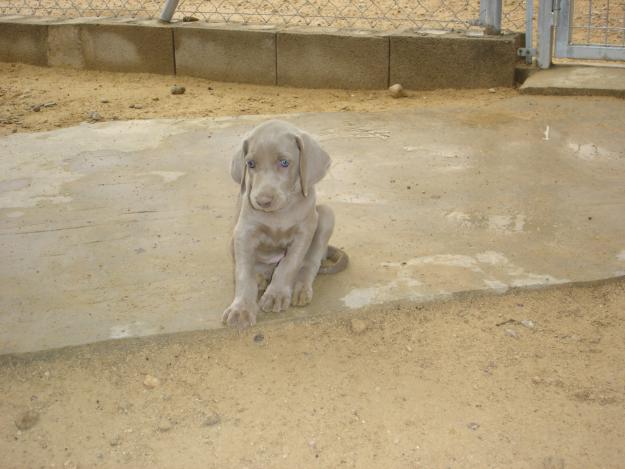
<point x="281" y="236"/>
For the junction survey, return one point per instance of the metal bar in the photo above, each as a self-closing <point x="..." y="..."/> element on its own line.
<point x="607" y="21"/>
<point x="589" y="18"/>
<point x="596" y="52"/>
<point x="563" y="29"/>
<point x="545" y="33"/>
<point x="600" y="28"/>
<point x="490" y="16"/>
<point x="529" y="27"/>
<point x="167" y="13"/>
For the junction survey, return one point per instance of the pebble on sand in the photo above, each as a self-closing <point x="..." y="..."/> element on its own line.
<point x="176" y="89"/>
<point x="211" y="419"/>
<point x="151" y="382"/>
<point x="27" y="420"/>
<point x="94" y="116"/>
<point x="164" y="425"/>
<point x="358" y="326"/>
<point x="397" y="91"/>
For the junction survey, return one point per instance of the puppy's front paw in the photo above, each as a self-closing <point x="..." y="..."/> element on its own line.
<point x="275" y="299"/>
<point x="302" y="294"/>
<point x="240" y="314"/>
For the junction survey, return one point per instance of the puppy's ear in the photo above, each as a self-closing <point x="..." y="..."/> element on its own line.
<point x="313" y="162"/>
<point x="238" y="168"/>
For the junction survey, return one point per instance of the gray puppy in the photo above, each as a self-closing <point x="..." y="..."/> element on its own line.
<point x="281" y="236"/>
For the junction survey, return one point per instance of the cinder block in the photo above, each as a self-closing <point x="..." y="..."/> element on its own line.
<point x="452" y="61"/>
<point x="226" y="53"/>
<point x="118" y="47"/>
<point x="64" y="46"/>
<point x="23" y="41"/>
<point x="314" y="59"/>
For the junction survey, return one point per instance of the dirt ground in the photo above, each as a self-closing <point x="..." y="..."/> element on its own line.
<point x="527" y="379"/>
<point x="36" y="98"/>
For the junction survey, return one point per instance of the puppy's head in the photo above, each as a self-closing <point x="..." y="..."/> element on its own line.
<point x="276" y="164"/>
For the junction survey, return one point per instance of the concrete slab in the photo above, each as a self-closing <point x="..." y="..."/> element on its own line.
<point x="226" y="52"/>
<point x="122" y="229"/>
<point x="312" y="58"/>
<point x="452" y="61"/>
<point x="577" y="80"/>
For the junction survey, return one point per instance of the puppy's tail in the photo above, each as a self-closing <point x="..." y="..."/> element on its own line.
<point x="335" y="261"/>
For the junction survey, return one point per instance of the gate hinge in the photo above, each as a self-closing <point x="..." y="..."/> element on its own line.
<point x="526" y="52"/>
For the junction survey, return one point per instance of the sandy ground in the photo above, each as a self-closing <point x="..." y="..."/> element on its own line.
<point x="456" y="384"/>
<point x="65" y="97"/>
<point x="528" y="379"/>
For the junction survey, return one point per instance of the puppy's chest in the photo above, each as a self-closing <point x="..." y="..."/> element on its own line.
<point x="273" y="244"/>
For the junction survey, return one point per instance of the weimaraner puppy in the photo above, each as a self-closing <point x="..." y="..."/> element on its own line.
<point x="281" y="236"/>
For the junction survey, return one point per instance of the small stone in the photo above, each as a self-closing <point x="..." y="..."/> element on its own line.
<point x="151" y="382"/>
<point x="537" y="380"/>
<point x="189" y="19"/>
<point x="115" y="441"/>
<point x="69" y="464"/>
<point x="94" y="116"/>
<point x="135" y="106"/>
<point x="408" y="348"/>
<point x="473" y="426"/>
<point x="155" y="99"/>
<point x="211" y="419"/>
<point x="528" y="323"/>
<point x="164" y="425"/>
<point x="358" y="326"/>
<point x="259" y="337"/>
<point x="512" y="333"/>
<point x="176" y="89"/>
<point x="36" y="108"/>
<point x="397" y="91"/>
<point x="492" y="90"/>
<point x="27" y="420"/>
<point x="104" y="101"/>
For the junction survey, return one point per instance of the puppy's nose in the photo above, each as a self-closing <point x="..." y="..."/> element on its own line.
<point x="264" y="201"/>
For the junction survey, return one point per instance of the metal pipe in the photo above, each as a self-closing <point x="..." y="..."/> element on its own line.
<point x="545" y="33"/>
<point x="167" y="13"/>
<point x="490" y="16"/>
<point x="529" y="28"/>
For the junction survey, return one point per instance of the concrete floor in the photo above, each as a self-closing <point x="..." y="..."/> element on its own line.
<point x="122" y="229"/>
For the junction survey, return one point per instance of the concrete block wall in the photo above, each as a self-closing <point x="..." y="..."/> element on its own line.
<point x="23" y="41"/>
<point x="452" y="61"/>
<point x="226" y="53"/>
<point x="294" y="57"/>
<point x="318" y="59"/>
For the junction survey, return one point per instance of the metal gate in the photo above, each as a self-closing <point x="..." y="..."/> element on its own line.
<point x="590" y="29"/>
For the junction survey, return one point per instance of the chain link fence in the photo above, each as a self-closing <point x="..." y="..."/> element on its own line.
<point x="379" y="15"/>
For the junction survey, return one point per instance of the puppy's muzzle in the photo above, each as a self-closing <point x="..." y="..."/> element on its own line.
<point x="264" y="201"/>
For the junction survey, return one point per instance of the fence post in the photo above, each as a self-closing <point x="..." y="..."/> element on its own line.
<point x="490" y="16"/>
<point x="168" y="10"/>
<point x="545" y="33"/>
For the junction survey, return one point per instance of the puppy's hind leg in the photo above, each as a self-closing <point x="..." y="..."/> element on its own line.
<point x="302" y="289"/>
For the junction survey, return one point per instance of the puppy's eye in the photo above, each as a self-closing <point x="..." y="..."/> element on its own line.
<point x="284" y="163"/>
<point x="251" y="164"/>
